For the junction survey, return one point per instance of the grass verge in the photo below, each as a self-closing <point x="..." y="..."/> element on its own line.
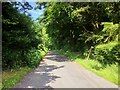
<point x="109" y="72"/>
<point x="0" y="80"/>
<point x="11" y="77"/>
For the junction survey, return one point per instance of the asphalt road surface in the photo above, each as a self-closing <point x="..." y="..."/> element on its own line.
<point x="56" y="71"/>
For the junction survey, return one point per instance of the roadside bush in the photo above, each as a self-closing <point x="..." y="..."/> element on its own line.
<point x="11" y="58"/>
<point x="107" y="53"/>
<point x="116" y="52"/>
<point x="33" y="57"/>
<point x="17" y="58"/>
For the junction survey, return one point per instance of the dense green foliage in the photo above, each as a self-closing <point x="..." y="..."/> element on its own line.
<point x="33" y="57"/>
<point x="78" y="26"/>
<point x="72" y="26"/>
<point x="21" y="37"/>
<point x="108" y="53"/>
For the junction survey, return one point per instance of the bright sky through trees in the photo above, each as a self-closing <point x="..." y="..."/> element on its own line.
<point x="35" y="13"/>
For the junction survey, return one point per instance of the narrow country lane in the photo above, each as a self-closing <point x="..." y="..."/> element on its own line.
<point x="55" y="71"/>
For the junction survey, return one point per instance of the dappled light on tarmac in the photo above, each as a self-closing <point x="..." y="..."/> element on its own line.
<point x="55" y="71"/>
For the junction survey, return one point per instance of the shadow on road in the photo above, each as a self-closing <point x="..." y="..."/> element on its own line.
<point x="44" y="75"/>
<point x="40" y="77"/>
<point x="56" y="57"/>
<point x="51" y="72"/>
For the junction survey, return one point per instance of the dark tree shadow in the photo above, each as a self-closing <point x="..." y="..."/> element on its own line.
<point x="40" y="77"/>
<point x="56" y="57"/>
